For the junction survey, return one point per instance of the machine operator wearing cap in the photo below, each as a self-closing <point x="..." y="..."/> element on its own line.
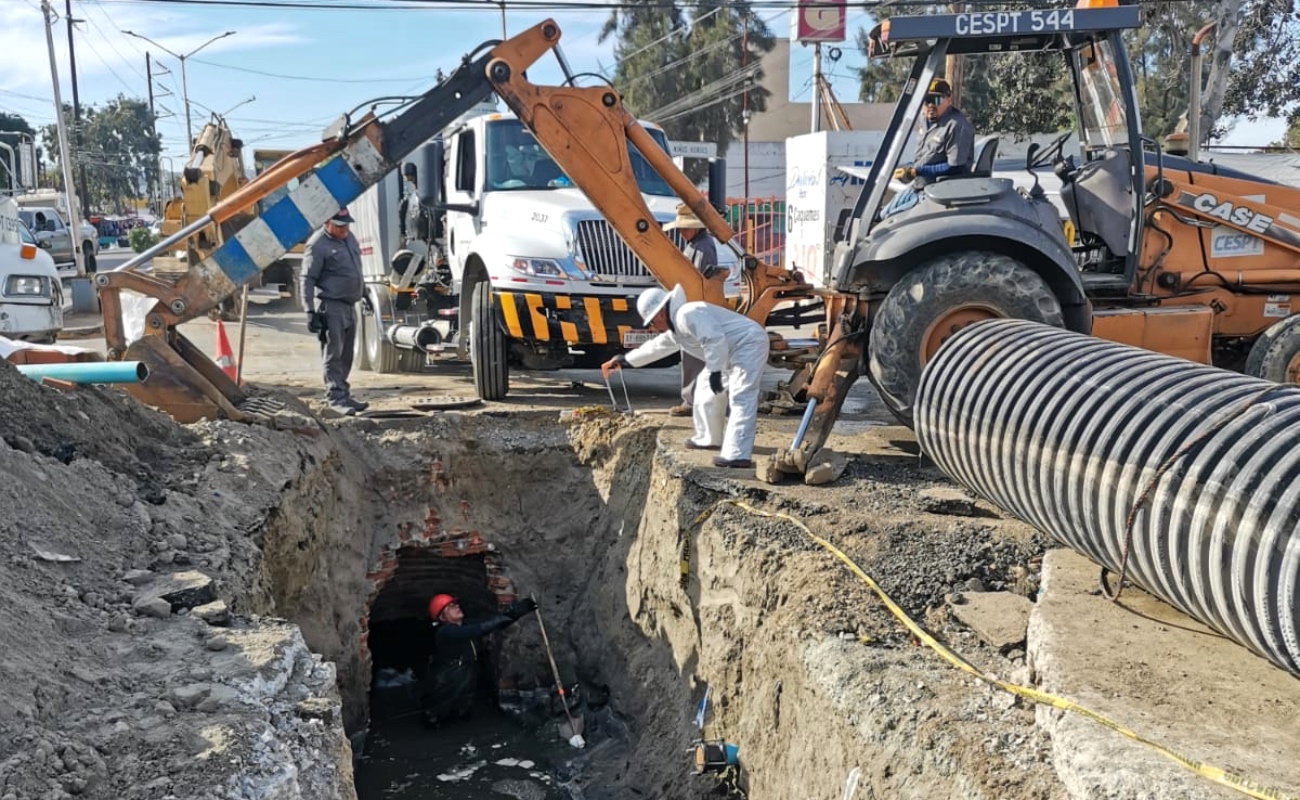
<point x="452" y="683"/>
<point x="945" y="145"/>
<point x="331" y="288"/>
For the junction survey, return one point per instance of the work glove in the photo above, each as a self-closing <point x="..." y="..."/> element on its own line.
<point x="715" y="382"/>
<point x="521" y="608"/>
<point x="710" y="271"/>
<point x="905" y="173"/>
<point x="616" y="363"/>
<point x="315" y="321"/>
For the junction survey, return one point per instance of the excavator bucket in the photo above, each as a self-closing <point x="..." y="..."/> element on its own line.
<point x="183" y="381"/>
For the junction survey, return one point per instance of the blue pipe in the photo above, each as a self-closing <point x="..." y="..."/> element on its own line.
<point x="89" y="372"/>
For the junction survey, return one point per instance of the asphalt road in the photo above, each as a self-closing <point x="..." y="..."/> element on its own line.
<point x="278" y="350"/>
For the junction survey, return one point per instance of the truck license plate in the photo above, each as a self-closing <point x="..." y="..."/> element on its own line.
<point x="637" y="338"/>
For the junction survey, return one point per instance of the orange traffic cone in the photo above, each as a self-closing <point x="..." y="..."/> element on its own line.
<point x="225" y="358"/>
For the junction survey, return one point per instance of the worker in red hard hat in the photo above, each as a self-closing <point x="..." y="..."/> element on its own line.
<point x="452" y="682"/>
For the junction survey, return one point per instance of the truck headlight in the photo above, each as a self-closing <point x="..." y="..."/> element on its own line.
<point x="27" y="286"/>
<point x="537" y="267"/>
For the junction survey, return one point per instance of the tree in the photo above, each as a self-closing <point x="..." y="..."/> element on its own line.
<point x="691" y="77"/>
<point x="1011" y="94"/>
<point x="119" y="150"/>
<point x="1251" y="68"/>
<point x="11" y="125"/>
<point x="1291" y="138"/>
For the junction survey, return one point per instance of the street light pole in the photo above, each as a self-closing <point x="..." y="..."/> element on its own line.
<point x="185" y="89"/>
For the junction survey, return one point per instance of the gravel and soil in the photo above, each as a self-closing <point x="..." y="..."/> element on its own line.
<point x="183" y="607"/>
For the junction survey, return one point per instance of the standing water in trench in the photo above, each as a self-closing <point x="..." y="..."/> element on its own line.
<point x="504" y="748"/>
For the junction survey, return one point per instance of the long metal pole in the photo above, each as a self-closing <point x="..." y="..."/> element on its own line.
<point x="185" y="95"/>
<point x="153" y="116"/>
<point x="74" y="216"/>
<point x="817" y="77"/>
<point x="744" y="116"/>
<point x="84" y="187"/>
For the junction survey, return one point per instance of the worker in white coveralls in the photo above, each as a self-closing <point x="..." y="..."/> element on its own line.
<point x="733" y="348"/>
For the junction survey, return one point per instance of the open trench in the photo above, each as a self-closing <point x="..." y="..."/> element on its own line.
<point x="592" y="518"/>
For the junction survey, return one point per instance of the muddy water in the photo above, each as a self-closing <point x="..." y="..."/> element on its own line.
<point x="490" y="755"/>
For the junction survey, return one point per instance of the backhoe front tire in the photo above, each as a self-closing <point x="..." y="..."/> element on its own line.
<point x="931" y="303"/>
<point x="488" y="346"/>
<point x="1275" y="356"/>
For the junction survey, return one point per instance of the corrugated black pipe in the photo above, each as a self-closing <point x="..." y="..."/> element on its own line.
<point x="1071" y="433"/>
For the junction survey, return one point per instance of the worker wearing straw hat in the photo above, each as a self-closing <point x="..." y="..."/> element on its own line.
<point x="701" y="251"/>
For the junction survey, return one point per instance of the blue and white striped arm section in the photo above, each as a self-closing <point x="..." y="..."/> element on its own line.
<point x="292" y="219"/>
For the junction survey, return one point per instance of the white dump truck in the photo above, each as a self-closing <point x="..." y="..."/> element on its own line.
<point x="511" y="267"/>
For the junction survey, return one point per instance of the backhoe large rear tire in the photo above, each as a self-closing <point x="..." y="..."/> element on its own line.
<point x="1275" y="356"/>
<point x="488" y="349"/>
<point x="939" y="298"/>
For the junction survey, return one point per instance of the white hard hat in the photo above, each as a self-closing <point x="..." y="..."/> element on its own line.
<point x="654" y="300"/>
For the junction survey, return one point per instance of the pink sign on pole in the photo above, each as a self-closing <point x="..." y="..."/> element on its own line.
<point x="819" y="21"/>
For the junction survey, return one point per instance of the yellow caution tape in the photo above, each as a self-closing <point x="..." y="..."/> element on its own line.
<point x="1212" y="773"/>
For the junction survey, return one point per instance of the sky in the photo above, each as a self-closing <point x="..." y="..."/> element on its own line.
<point x="287" y="73"/>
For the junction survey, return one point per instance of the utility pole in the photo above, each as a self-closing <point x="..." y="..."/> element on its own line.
<point x="816" y="82"/>
<point x="953" y="65"/>
<point x="153" y="116"/>
<point x="74" y="214"/>
<point x="185" y="88"/>
<point x="76" y="99"/>
<point x="744" y="118"/>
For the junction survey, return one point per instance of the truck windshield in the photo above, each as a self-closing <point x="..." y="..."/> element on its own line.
<point x="1101" y="100"/>
<point x="516" y="161"/>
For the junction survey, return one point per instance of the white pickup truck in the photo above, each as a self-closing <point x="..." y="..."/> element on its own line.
<point x="31" y="295"/>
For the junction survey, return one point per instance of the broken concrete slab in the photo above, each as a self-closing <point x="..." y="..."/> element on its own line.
<point x="1163" y="675"/>
<point x="182" y="589"/>
<point x="1000" y="619"/>
<point x="214" y="613"/>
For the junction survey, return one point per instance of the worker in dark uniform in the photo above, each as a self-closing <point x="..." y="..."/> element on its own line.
<point x="331" y="288"/>
<point x="452" y="683"/>
<point x="945" y="145"/>
<point x="702" y="251"/>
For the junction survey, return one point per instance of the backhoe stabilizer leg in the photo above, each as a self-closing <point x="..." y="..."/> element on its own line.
<point x="832" y="378"/>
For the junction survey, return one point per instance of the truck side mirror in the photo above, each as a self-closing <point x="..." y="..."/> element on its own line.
<point x="428" y="161"/>
<point x="718" y="184"/>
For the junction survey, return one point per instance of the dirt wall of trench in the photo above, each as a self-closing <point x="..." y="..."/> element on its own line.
<point x="809" y="675"/>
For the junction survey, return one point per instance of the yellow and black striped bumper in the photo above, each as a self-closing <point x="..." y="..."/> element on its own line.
<point x="567" y="318"/>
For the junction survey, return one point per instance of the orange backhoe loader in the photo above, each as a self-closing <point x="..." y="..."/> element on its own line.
<point x="1176" y="256"/>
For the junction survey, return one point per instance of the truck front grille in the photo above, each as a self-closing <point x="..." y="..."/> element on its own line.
<point x="607" y="255"/>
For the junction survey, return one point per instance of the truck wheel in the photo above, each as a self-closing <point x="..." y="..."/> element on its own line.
<point x="381" y="355"/>
<point x="88" y="255"/>
<point x="1275" y="356"/>
<point x="487" y="346"/>
<point x="411" y="361"/>
<point x="362" y="351"/>
<point x="936" y="300"/>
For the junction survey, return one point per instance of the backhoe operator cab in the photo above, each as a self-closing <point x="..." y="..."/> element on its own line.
<point x="1150" y="263"/>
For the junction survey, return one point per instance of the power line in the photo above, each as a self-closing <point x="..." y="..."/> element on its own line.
<point x="425" y="78"/>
